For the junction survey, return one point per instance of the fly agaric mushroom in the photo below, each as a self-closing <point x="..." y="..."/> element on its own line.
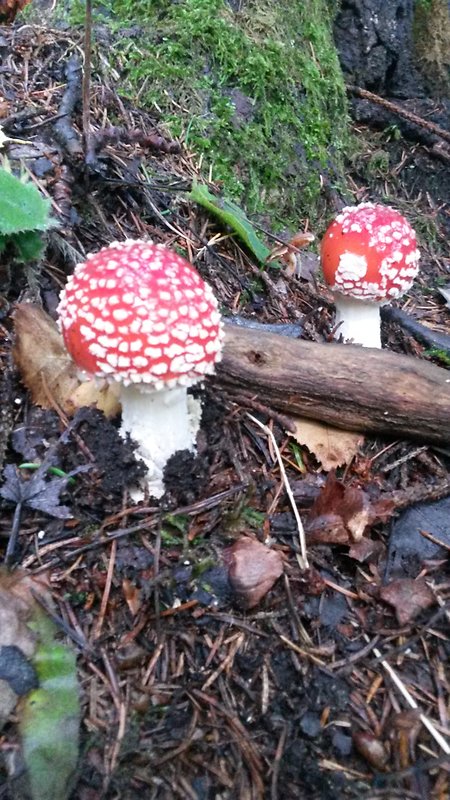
<point x="369" y="256"/>
<point x="137" y="313"/>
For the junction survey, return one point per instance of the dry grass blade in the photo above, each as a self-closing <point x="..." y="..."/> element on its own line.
<point x="303" y="558"/>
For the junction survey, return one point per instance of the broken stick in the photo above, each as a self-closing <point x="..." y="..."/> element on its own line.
<point x="350" y="387"/>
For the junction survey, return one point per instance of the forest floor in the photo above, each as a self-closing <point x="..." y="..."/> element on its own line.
<point x="189" y="691"/>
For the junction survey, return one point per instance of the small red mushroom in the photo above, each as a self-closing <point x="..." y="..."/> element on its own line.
<point x="369" y="256"/>
<point x="138" y="313"/>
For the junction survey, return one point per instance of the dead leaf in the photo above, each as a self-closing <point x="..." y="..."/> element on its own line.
<point x="38" y="492"/>
<point x="105" y="398"/>
<point x="8" y="700"/>
<point x="408" y="597"/>
<point x="366" y="550"/>
<point x="331" y="446"/>
<point x="132" y="596"/>
<point x="372" y="749"/>
<point x="253" y="569"/>
<point x="13" y="627"/>
<point x="10" y="8"/>
<point x="356" y="511"/>
<point x="340" y="514"/>
<point x="128" y="656"/>
<point x="404" y="730"/>
<point x="326" y="529"/>
<point x="17" y="640"/>
<point x="47" y="370"/>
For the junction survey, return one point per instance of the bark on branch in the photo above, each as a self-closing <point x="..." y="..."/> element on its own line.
<point x="350" y="387"/>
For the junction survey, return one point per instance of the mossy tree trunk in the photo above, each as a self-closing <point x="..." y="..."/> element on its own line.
<point x="432" y="44"/>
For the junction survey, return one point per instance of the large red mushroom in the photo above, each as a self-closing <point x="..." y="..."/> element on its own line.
<point x="369" y="256"/>
<point x="140" y="314"/>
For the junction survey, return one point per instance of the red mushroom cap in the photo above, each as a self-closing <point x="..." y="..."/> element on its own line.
<point x="370" y="252"/>
<point x="139" y="313"/>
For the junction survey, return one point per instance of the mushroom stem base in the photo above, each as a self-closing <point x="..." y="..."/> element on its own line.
<point x="358" y="320"/>
<point x="161" y="424"/>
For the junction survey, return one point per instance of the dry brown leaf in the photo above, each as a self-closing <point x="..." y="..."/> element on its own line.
<point x="372" y="749"/>
<point x="10" y="8"/>
<point x="331" y="446"/>
<point x="47" y="370"/>
<point x="253" y="569"/>
<point x="14" y="613"/>
<point x="366" y="550"/>
<point x="105" y="398"/>
<point x="408" y="597"/>
<point x="17" y="640"/>
<point x="4" y="108"/>
<point x="132" y="596"/>
<point x="340" y="514"/>
<point x="326" y="529"/>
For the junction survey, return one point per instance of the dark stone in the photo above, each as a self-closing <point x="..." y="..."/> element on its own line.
<point x="41" y="166"/>
<point x="310" y="724"/>
<point x="16" y="670"/>
<point x="408" y="549"/>
<point x="341" y="743"/>
<point x="244" y="108"/>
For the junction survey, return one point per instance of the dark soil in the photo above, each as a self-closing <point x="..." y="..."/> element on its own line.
<point x="186" y="693"/>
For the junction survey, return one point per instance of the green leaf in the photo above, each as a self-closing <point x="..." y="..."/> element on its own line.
<point x="28" y="245"/>
<point x="22" y="207"/>
<point x="50" y="716"/>
<point x="232" y="215"/>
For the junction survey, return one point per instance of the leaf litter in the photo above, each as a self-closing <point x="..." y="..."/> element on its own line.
<point x="332" y="447"/>
<point x="185" y="692"/>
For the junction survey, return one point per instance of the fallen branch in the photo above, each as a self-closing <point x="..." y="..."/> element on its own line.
<point x="395" y="108"/>
<point x="350" y="387"/>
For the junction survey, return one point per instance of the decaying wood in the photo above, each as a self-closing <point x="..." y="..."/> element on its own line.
<point x="350" y="387"/>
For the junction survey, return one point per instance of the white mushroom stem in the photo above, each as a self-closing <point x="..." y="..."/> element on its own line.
<point x="358" y="320"/>
<point x="161" y="423"/>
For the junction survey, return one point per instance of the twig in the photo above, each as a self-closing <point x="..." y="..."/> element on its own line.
<point x="249" y="399"/>
<point x="435" y="540"/>
<point x="346" y="664"/>
<point x="303" y="558"/>
<point x="226" y="663"/>
<point x="86" y="89"/>
<point x="443" y="744"/>
<point x="301" y="651"/>
<point x="14" y="535"/>
<point x="107" y="591"/>
<point x="277" y="761"/>
<point x="156" y="557"/>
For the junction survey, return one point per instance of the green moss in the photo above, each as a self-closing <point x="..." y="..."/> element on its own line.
<point x="439" y="355"/>
<point x="196" y="60"/>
